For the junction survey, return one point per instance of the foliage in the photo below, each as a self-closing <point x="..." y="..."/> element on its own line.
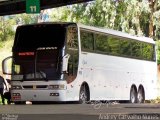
<point x="129" y="16"/>
<point x="60" y="14"/>
<point x="26" y="19"/>
<point x="6" y="30"/>
<point x="158" y="52"/>
<point x="156" y="20"/>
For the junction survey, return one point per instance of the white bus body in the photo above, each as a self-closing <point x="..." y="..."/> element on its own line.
<point x="99" y="76"/>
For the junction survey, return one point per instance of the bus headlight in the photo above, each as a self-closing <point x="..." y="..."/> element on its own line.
<point x="16" y="87"/>
<point x="56" y="87"/>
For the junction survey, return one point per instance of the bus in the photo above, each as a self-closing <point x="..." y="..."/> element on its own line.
<point x="65" y="61"/>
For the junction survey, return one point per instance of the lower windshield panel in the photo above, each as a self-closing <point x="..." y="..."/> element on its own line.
<point x="46" y="65"/>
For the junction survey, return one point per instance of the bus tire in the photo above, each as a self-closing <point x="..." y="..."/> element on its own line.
<point x="133" y="95"/>
<point x="84" y="94"/>
<point x="140" y="95"/>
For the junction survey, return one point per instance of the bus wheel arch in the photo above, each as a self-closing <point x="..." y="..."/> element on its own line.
<point x="141" y="94"/>
<point x="84" y="93"/>
<point x="133" y="94"/>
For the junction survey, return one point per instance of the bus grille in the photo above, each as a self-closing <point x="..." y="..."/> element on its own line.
<point x="35" y="86"/>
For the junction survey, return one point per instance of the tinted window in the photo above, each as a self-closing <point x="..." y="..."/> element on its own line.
<point x="87" y="40"/>
<point x="72" y="37"/>
<point x="136" y="49"/>
<point x="125" y="47"/>
<point x="32" y="37"/>
<point x="102" y="44"/>
<point x="114" y="45"/>
<point x="72" y="50"/>
<point x="147" y="51"/>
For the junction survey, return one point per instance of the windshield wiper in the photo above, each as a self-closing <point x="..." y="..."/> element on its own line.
<point x="43" y="75"/>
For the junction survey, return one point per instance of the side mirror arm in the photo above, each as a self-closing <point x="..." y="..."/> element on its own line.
<point x="65" y="63"/>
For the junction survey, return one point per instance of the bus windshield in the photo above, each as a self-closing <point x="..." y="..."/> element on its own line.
<point x="43" y="64"/>
<point x="34" y="58"/>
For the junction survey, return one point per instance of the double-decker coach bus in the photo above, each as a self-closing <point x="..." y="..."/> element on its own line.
<point x="74" y="62"/>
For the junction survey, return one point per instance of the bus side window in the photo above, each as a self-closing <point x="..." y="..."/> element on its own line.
<point x="136" y="49"/>
<point x="72" y="50"/>
<point x="125" y="47"/>
<point x="114" y="45"/>
<point x="72" y="64"/>
<point x="147" y="51"/>
<point x="87" y="40"/>
<point x="102" y="44"/>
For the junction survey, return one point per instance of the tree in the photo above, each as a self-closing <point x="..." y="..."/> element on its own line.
<point x="6" y="29"/>
<point x="130" y="16"/>
<point x="26" y="18"/>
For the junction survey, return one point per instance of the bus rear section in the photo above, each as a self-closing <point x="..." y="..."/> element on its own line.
<point x="118" y="66"/>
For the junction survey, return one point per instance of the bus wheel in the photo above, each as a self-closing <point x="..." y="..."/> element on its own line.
<point x="83" y="96"/>
<point x="140" y="96"/>
<point x="133" y="95"/>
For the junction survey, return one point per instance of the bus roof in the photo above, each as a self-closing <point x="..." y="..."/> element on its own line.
<point x="117" y="33"/>
<point x="47" y="23"/>
<point x="102" y="30"/>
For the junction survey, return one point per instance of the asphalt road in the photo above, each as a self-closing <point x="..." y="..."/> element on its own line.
<point x="94" y="111"/>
